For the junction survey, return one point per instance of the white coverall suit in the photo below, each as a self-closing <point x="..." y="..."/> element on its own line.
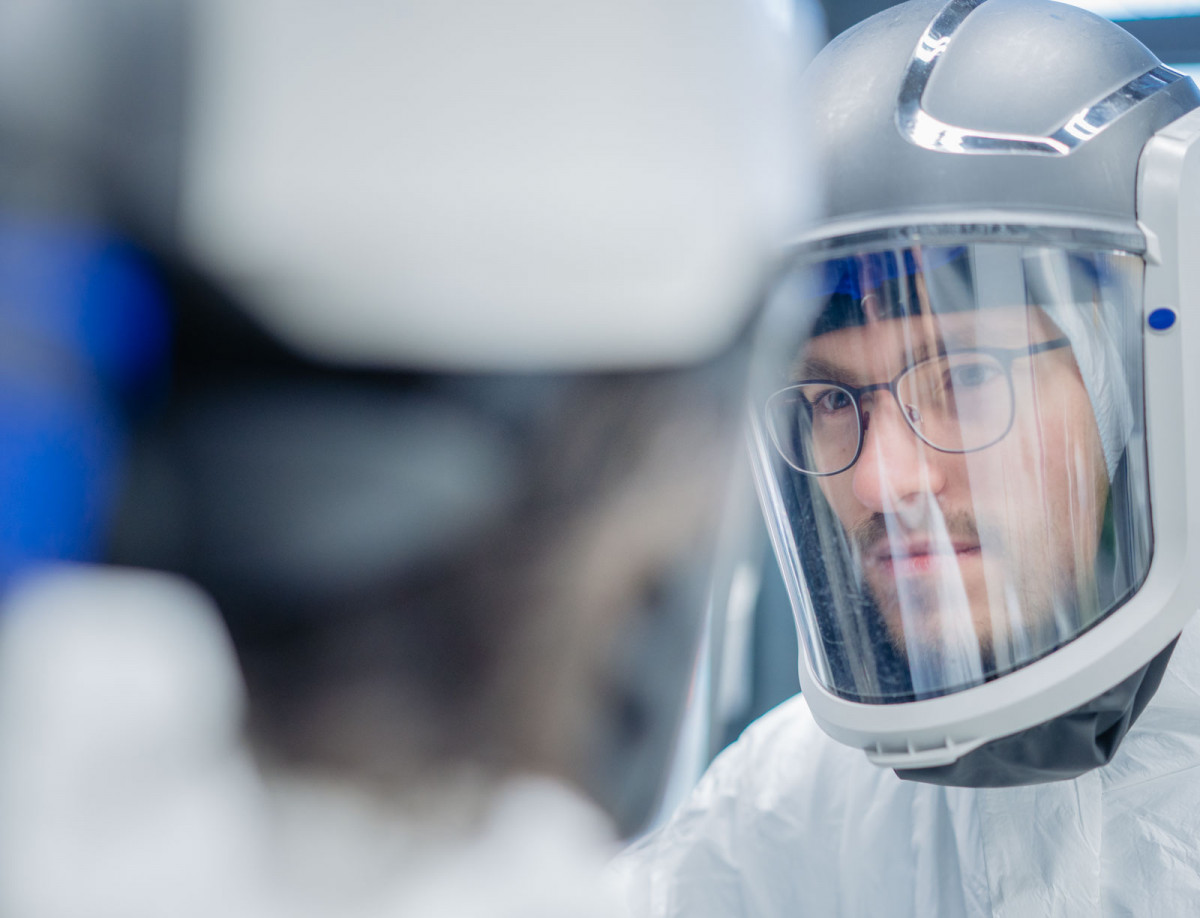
<point x="789" y="822"/>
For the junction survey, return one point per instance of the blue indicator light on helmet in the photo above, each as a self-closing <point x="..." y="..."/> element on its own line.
<point x="1161" y="319"/>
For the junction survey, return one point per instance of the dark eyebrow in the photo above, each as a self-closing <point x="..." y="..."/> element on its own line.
<point x="816" y="368"/>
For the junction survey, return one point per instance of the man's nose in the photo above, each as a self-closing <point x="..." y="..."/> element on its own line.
<point x="895" y="465"/>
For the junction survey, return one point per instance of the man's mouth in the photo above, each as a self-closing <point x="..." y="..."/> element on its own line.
<point x="917" y="557"/>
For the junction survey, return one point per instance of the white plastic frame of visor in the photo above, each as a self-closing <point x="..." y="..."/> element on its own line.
<point x="938" y="731"/>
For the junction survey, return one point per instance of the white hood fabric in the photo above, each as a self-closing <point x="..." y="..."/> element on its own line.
<point x="1094" y="335"/>
<point x="126" y="791"/>
<point x="788" y="822"/>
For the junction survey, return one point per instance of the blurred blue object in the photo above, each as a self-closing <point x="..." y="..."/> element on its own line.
<point x="83" y="332"/>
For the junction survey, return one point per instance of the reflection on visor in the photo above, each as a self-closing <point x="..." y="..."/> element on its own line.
<point x="857" y="275"/>
<point x="955" y="459"/>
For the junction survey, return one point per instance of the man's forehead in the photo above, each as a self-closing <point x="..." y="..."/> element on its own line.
<point x="892" y="343"/>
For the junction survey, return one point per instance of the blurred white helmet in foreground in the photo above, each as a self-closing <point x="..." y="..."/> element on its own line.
<point x="574" y="186"/>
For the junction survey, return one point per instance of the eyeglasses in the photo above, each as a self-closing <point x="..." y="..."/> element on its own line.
<point x="956" y="402"/>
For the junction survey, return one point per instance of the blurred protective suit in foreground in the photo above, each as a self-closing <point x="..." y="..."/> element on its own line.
<point x="370" y="382"/>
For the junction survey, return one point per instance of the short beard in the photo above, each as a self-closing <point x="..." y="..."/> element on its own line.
<point x="1025" y="577"/>
<point x="879" y="528"/>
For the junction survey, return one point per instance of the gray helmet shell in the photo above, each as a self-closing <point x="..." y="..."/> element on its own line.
<point x="1047" y="108"/>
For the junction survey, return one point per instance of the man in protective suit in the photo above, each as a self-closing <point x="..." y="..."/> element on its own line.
<point x="973" y="473"/>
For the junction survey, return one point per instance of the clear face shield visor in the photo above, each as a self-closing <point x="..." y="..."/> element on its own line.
<point x="953" y="464"/>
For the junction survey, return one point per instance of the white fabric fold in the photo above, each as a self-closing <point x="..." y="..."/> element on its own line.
<point x="789" y="822"/>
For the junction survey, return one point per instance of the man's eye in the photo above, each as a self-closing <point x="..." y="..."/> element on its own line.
<point x="831" y="401"/>
<point x="971" y="374"/>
